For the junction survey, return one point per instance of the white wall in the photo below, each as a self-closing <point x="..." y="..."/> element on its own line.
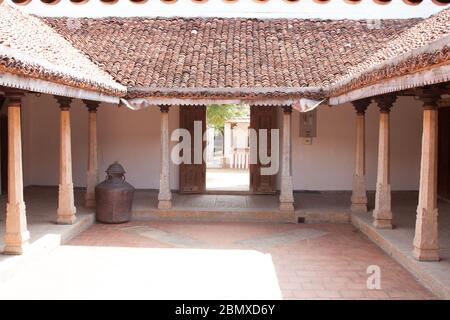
<point x="327" y="164"/>
<point x="132" y="138"/>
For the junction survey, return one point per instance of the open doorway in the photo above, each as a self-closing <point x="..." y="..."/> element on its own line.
<point x="227" y="149"/>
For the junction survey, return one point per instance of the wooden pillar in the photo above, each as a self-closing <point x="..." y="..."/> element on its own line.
<point x="165" y="195"/>
<point x="426" y="244"/>
<point x="359" y="194"/>
<point x="92" y="173"/>
<point x="383" y="213"/>
<point x="66" y="207"/>
<point x="16" y="233"/>
<point x="286" y="194"/>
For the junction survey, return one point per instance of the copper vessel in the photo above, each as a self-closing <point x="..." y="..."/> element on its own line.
<point x="114" y="196"/>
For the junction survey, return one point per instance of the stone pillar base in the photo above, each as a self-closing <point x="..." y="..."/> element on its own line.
<point x="16" y="233"/>
<point x="359" y="197"/>
<point x="286" y="206"/>
<point x="382" y="214"/>
<point x="382" y="224"/>
<point x="66" y="210"/>
<point x="16" y="249"/>
<point x="16" y="243"/>
<point x="426" y="254"/>
<point x="358" y="207"/>
<point x="286" y="194"/>
<point x="66" y="218"/>
<point x="164" y="204"/>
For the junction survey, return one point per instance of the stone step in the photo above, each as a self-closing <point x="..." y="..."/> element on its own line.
<point x="241" y="215"/>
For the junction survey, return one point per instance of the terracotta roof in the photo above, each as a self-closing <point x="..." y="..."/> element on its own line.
<point x="29" y="47"/>
<point x="423" y="46"/>
<point x="219" y="58"/>
<point x="161" y="57"/>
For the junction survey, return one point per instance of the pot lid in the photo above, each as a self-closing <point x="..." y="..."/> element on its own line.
<point x="115" y="169"/>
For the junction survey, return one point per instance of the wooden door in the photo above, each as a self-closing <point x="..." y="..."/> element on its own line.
<point x="193" y="176"/>
<point x="444" y="152"/>
<point x="262" y="117"/>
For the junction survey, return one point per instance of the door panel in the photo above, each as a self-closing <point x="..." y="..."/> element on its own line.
<point x="262" y="117"/>
<point x="193" y="176"/>
<point x="444" y="152"/>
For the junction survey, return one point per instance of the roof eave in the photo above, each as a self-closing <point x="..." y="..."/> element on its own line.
<point x="44" y="86"/>
<point x="433" y="75"/>
<point x="143" y="97"/>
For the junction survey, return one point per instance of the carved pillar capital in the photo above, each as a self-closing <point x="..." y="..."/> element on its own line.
<point x="429" y="96"/>
<point x="64" y="102"/>
<point x="164" y="108"/>
<point x="361" y="105"/>
<point x="287" y="109"/>
<point x="385" y="102"/>
<point x="14" y="97"/>
<point x="91" y="105"/>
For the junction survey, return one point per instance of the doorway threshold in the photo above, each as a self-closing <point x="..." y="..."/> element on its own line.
<point x="228" y="192"/>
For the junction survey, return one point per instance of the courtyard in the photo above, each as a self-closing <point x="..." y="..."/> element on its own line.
<point x="206" y="257"/>
<point x="210" y="260"/>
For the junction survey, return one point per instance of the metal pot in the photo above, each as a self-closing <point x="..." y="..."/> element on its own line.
<point x="114" y="196"/>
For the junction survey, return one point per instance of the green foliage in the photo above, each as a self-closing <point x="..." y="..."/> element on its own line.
<point x="218" y="114"/>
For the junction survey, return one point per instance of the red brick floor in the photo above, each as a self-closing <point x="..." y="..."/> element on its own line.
<point x="332" y="265"/>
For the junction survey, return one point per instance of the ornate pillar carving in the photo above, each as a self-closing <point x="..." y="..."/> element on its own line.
<point x="426" y="243"/>
<point x="383" y="213"/>
<point x="92" y="173"/>
<point x="286" y="193"/>
<point x="165" y="195"/>
<point x="359" y="194"/>
<point x="16" y="232"/>
<point x="66" y="207"/>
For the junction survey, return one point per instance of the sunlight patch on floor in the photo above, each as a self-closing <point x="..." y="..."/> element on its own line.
<point x="78" y="272"/>
<point x="227" y="179"/>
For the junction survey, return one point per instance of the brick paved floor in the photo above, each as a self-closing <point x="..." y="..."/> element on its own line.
<point x="310" y="261"/>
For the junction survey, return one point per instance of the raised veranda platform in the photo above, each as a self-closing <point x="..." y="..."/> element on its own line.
<point x="310" y="207"/>
<point x="398" y="241"/>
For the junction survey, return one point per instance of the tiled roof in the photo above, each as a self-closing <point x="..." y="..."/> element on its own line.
<point x="425" y="45"/>
<point x="160" y="56"/>
<point x="29" y="47"/>
<point x="230" y="58"/>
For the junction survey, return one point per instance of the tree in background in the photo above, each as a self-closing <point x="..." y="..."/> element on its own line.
<point x="218" y="114"/>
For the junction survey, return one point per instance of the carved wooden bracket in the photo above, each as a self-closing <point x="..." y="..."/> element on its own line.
<point x="385" y="102"/>
<point x="164" y="108"/>
<point x="361" y="105"/>
<point x="91" y="105"/>
<point x="429" y="96"/>
<point x="287" y="109"/>
<point x="64" y="102"/>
